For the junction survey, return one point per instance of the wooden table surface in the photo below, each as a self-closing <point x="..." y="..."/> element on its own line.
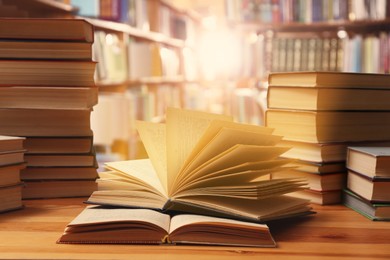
<point x="334" y="232"/>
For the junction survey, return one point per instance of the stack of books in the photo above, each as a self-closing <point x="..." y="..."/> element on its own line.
<point x="320" y="114"/>
<point x="11" y="162"/>
<point x="47" y="92"/>
<point x="368" y="182"/>
<point x="203" y="171"/>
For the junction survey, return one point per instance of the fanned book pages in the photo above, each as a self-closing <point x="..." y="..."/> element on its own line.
<point x="205" y="164"/>
<point x="144" y="226"/>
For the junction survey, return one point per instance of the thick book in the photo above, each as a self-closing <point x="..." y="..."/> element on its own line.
<point x="45" y="122"/>
<point x="10" y="174"/>
<point x="371" y="210"/>
<point x="47" y="73"/>
<point x="330" y="79"/>
<point x="321" y="98"/>
<point x="369" y="161"/>
<point x="51" y="50"/>
<point x="11" y="157"/>
<point x="206" y="164"/>
<point x="318" y="168"/>
<point x="60" y="160"/>
<point x="320" y="197"/>
<point x="375" y="189"/>
<point x="77" y="30"/>
<point x="317" y="182"/>
<point x="11" y="198"/>
<point x="323" y="152"/>
<point x="47" y="189"/>
<point x="58" y="145"/>
<point x="97" y="225"/>
<point x="59" y="173"/>
<point x="329" y="126"/>
<point x="48" y="97"/>
<point x="11" y="143"/>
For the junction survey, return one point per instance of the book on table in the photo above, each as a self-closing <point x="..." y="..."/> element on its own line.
<point x="144" y="226"/>
<point x="371" y="210"/>
<point x="206" y="164"/>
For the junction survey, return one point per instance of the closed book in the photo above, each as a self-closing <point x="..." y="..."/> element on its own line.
<point x="46" y="29"/>
<point x="323" y="152"/>
<point x="10" y="174"/>
<point x="374" y="189"/>
<point x="42" y="189"/>
<point x="321" y="98"/>
<point x="59" y="145"/>
<point x="52" y="50"/>
<point x="45" y="122"/>
<point x="330" y="79"/>
<point x="11" y="198"/>
<point x="58" y="173"/>
<point x="47" y="73"/>
<point x="48" y="97"/>
<point x="369" y="161"/>
<point x="329" y="126"/>
<point x="371" y="210"/>
<point x="317" y="182"/>
<point x="11" y="143"/>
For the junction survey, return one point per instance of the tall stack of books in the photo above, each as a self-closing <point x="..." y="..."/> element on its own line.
<point x="11" y="162"/>
<point x="368" y="183"/>
<point x="47" y="91"/>
<point x="320" y="114"/>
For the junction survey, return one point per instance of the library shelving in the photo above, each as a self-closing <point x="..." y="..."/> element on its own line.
<point x="318" y="35"/>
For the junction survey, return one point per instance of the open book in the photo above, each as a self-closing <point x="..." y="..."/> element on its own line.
<point x="144" y="226"/>
<point x="205" y="164"/>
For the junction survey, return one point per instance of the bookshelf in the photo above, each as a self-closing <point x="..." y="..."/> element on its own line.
<point x="350" y="36"/>
<point x="146" y="61"/>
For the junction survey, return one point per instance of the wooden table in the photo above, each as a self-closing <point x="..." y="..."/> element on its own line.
<point x="334" y="232"/>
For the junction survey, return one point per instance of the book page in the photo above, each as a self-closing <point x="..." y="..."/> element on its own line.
<point x="224" y="140"/>
<point x="188" y="219"/>
<point x="237" y="155"/>
<point x="141" y="169"/>
<point x="153" y="136"/>
<point x="96" y="215"/>
<point x="184" y="129"/>
<point x="215" y="127"/>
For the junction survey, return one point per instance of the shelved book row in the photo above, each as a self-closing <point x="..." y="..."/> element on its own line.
<point x="307" y="52"/>
<point x="131" y="60"/>
<point x="305" y="11"/>
<point x="148" y="15"/>
<point x="320" y="127"/>
<point x="48" y="98"/>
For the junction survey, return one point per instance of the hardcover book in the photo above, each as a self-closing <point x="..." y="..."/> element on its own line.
<point x="96" y="225"/>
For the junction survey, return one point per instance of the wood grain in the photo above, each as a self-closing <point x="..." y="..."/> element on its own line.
<point x="335" y="232"/>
